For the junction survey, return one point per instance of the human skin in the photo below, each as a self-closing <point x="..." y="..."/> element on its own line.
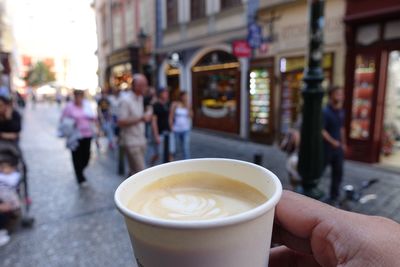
<point x="315" y="234"/>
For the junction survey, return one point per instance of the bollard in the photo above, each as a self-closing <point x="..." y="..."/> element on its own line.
<point x="166" y="148"/>
<point x="258" y="159"/>
<point x="121" y="160"/>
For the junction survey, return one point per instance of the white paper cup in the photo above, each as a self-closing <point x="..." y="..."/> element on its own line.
<point x="241" y="240"/>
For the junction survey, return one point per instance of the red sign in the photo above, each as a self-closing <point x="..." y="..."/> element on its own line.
<point x="241" y="48"/>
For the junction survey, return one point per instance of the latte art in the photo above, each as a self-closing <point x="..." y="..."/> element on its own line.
<point x="195" y="196"/>
<point x="184" y="205"/>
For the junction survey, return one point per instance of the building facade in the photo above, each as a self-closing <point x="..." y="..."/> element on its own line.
<point x="257" y="96"/>
<point x="125" y="30"/>
<point x="283" y="58"/>
<point x="195" y="55"/>
<point x="373" y="80"/>
<point x="8" y="61"/>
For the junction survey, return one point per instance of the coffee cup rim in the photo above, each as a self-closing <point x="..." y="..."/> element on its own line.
<point x="213" y="223"/>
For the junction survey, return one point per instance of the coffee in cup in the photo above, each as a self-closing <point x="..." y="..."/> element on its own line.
<point x="195" y="196"/>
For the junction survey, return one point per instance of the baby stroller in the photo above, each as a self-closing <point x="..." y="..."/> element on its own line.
<point x="13" y="177"/>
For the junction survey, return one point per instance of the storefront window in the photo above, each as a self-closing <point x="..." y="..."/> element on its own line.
<point x="362" y="97"/>
<point x="391" y="127"/>
<point x="121" y="76"/>
<point x="216" y="83"/>
<point x="292" y="71"/>
<point x="217" y="94"/>
<point x="260" y="100"/>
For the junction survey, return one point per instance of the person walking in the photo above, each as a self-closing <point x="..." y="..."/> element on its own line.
<point x="106" y="119"/>
<point x="10" y="121"/>
<point x="131" y="120"/>
<point x="180" y="120"/>
<point x="113" y="99"/>
<point x="334" y="139"/>
<point x="80" y="118"/>
<point x="160" y="127"/>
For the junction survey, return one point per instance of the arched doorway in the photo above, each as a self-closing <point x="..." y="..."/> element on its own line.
<point x="216" y="92"/>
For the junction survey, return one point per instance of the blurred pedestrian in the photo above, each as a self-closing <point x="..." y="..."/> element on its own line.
<point x="149" y="99"/>
<point x="79" y="116"/>
<point x="32" y="94"/>
<point x="180" y="119"/>
<point x="105" y="118"/>
<point x="4" y="86"/>
<point x="10" y="121"/>
<point x="59" y="98"/>
<point x="131" y="120"/>
<point x="113" y="98"/>
<point x="68" y="98"/>
<point x="334" y="139"/>
<point x="20" y="101"/>
<point x="291" y="144"/>
<point x="161" y="128"/>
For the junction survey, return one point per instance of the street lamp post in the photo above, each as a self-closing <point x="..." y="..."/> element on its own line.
<point x="142" y="38"/>
<point x="311" y="154"/>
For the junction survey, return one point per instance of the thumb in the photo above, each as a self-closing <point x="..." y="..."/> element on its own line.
<point x="285" y="257"/>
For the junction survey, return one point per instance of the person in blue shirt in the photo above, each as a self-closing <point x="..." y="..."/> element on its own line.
<point x="334" y="138"/>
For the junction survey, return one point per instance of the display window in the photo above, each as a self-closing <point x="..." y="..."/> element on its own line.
<point x="121" y="76"/>
<point x="292" y="74"/>
<point x="216" y="94"/>
<point x="363" y="91"/>
<point x="390" y="145"/>
<point x="372" y="81"/>
<point x="260" y="100"/>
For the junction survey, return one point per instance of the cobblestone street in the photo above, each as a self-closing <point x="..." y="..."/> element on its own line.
<point x="81" y="227"/>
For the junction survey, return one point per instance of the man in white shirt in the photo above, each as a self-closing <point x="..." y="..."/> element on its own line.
<point x="131" y="120"/>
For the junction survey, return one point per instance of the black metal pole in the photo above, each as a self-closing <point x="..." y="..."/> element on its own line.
<point x="311" y="154"/>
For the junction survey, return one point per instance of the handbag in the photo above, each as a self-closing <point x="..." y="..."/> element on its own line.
<point x="288" y="144"/>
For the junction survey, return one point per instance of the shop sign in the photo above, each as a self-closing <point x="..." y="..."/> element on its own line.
<point x="254" y="37"/>
<point x="123" y="56"/>
<point x="241" y="49"/>
<point x="299" y="63"/>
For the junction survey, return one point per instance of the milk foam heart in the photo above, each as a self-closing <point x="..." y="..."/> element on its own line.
<point x="195" y="196"/>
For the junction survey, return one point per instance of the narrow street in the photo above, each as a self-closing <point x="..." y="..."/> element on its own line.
<point x="81" y="227"/>
<point x="74" y="227"/>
